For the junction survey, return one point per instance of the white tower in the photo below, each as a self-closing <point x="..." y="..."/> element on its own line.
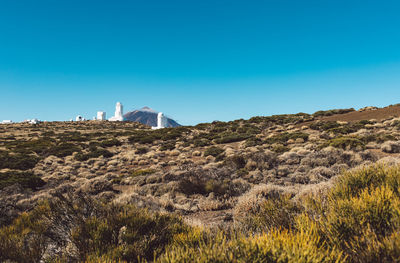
<point x="101" y="116"/>
<point x="118" y="116"/>
<point x="161" y="121"/>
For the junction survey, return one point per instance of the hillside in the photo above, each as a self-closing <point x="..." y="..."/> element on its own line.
<point x="213" y="175"/>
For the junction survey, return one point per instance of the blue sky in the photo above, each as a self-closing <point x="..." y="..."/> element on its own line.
<point x="197" y="61"/>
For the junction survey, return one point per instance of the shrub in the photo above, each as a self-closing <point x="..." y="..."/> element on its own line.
<point x="141" y="150"/>
<point x="217" y="187"/>
<point x="126" y="233"/>
<point x="235" y="161"/>
<point x="361" y="214"/>
<point x="332" y="112"/>
<point x="324" y="125"/>
<point x="379" y="138"/>
<point x="96" y="230"/>
<point x="345" y="143"/>
<point x="213" y="151"/>
<point x="284" y="137"/>
<point x="391" y="147"/>
<point x="167" y="146"/>
<point x="17" y="161"/>
<point x="277" y="246"/>
<point x="25" y="179"/>
<point x="278" y="211"/>
<point x="358" y="220"/>
<point x="253" y="141"/>
<point x="279" y="148"/>
<point x="110" y="143"/>
<point x="63" y="149"/>
<point x="142" y="172"/>
<point x="201" y="142"/>
<point x="94" y="152"/>
<point x="192" y="185"/>
<point x="26" y="239"/>
<point x="231" y="137"/>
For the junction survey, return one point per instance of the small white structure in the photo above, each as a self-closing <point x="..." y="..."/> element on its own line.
<point x="79" y="118"/>
<point x="33" y="121"/>
<point x="7" y="122"/>
<point x="118" y="116"/>
<point x="101" y="116"/>
<point x="161" y="121"/>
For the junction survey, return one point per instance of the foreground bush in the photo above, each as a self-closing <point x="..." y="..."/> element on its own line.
<point x="358" y="220"/>
<point x="93" y="231"/>
<point x="277" y="246"/>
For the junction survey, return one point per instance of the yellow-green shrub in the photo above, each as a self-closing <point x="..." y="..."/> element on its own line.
<point x="277" y="246"/>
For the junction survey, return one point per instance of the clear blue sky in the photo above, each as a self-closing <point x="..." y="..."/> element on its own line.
<point x="197" y="61"/>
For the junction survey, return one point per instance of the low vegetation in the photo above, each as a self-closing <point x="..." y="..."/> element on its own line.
<point x="283" y="188"/>
<point x="357" y="220"/>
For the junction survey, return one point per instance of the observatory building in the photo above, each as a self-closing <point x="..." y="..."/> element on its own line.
<point x="101" y="116"/>
<point x="79" y="118"/>
<point x="161" y="121"/>
<point x="118" y="116"/>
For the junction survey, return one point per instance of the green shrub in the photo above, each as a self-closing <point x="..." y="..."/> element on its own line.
<point x="94" y="152"/>
<point x="332" y="112"/>
<point x="213" y="151"/>
<point x="231" y="137"/>
<point x="17" y="161"/>
<point x="110" y="143"/>
<point x="25" y="179"/>
<point x="97" y="230"/>
<point x="379" y="138"/>
<point x="253" y="141"/>
<point x="345" y="143"/>
<point x="141" y="150"/>
<point x="284" y="137"/>
<point x="192" y="185"/>
<point x="167" y="146"/>
<point x="217" y="187"/>
<point x="361" y="215"/>
<point x="38" y="146"/>
<point x="279" y="148"/>
<point x="63" y="149"/>
<point x="235" y="161"/>
<point x="142" y="172"/>
<point x="276" y="246"/>
<point x="201" y="142"/>
<point x="277" y="212"/>
<point x="324" y="125"/>
<point x="25" y="240"/>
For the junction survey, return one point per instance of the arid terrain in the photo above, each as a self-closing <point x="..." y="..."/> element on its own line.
<point x="213" y="175"/>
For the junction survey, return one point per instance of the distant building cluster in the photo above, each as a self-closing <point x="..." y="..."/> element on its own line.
<point x="101" y="115"/>
<point x="30" y="121"/>
<point x="162" y="121"/>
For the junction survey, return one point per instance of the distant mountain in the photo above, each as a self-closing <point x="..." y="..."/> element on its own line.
<point x="147" y="116"/>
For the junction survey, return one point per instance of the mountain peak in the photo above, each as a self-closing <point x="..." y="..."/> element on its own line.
<point x="147" y="109"/>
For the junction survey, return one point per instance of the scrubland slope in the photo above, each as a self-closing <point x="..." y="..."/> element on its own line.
<point x="276" y="189"/>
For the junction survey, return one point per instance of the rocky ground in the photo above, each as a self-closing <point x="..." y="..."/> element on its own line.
<point x="210" y="173"/>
